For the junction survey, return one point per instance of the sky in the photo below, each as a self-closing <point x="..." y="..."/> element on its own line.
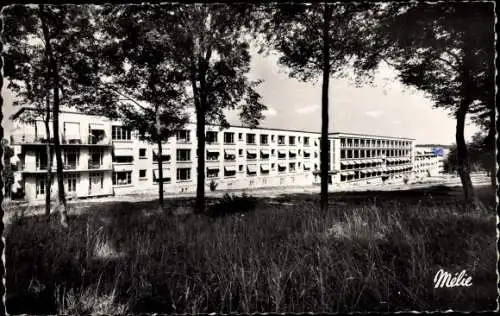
<point x="384" y="108"/>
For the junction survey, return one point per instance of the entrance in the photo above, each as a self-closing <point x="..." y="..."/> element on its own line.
<point x="96" y="183"/>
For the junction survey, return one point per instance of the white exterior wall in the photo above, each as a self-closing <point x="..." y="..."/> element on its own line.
<point x="241" y="180"/>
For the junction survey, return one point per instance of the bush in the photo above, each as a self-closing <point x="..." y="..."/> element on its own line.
<point x="232" y="204"/>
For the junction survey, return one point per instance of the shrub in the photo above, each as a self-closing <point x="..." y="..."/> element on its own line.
<point x="232" y="204"/>
<point x="213" y="185"/>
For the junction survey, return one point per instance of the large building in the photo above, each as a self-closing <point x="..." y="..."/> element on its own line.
<point x="101" y="157"/>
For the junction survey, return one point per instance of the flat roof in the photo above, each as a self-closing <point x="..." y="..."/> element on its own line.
<point x="15" y="115"/>
<point x="367" y="135"/>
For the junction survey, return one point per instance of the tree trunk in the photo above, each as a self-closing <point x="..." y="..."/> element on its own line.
<point x="55" y="116"/>
<point x="49" y="162"/>
<point x="160" y="171"/>
<point x="463" y="156"/>
<point x="324" y="109"/>
<point x="200" y="170"/>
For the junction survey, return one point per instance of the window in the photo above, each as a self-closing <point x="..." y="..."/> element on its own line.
<point x="41" y="160"/>
<point x="165" y="175"/>
<point x="142" y="174"/>
<point x="356" y="153"/>
<point x="229" y="155"/>
<point x="264" y="154"/>
<point x="251" y="139"/>
<point x="281" y="167"/>
<point x="240" y="152"/>
<point x="240" y="168"/>
<point x="362" y="154"/>
<point x="122" y="177"/>
<point x="306" y="141"/>
<point x="183" y="174"/>
<point x="240" y="136"/>
<point x="40" y="186"/>
<point x="212" y="155"/>
<point x="212" y="172"/>
<point x="95" y="159"/>
<point x="251" y="154"/>
<point x="71" y="180"/>
<point x="291" y="140"/>
<point x="281" y="154"/>
<point x="229" y="171"/>
<point x="228" y="138"/>
<point x="273" y="152"/>
<point x="291" y="166"/>
<point x="120" y="133"/>
<point x="273" y="166"/>
<point x="315" y="154"/>
<point x="281" y="140"/>
<point x="123" y="159"/>
<point x="183" y="136"/>
<point x="342" y="153"/>
<point x="272" y="138"/>
<point x="264" y="139"/>
<point x="211" y="137"/>
<point x="142" y="152"/>
<point x="183" y="155"/>
<point x="307" y="154"/>
<point x="252" y="170"/>
<point x="96" y="181"/>
<point x="71" y="158"/>
<point x="164" y="156"/>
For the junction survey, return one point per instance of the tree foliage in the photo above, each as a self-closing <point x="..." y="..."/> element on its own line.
<point x="49" y="42"/>
<point x="212" y="52"/>
<point x="445" y="50"/>
<point x="141" y="84"/>
<point x="315" y="41"/>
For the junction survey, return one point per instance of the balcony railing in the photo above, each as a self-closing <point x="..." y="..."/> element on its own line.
<point x="65" y="139"/>
<point x="70" y="166"/>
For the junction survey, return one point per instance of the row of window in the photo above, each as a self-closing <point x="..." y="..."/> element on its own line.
<point x="185" y="155"/>
<point x="360" y="153"/>
<point x="212" y="137"/>
<point x="96" y="183"/>
<point x="125" y="177"/>
<point x="355" y="142"/>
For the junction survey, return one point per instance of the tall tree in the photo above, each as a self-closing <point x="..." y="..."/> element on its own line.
<point x="59" y="35"/>
<point x="212" y="51"/>
<point x="447" y="51"/>
<point x="30" y="82"/>
<point x="7" y="172"/>
<point x="315" y="41"/>
<point x="142" y="87"/>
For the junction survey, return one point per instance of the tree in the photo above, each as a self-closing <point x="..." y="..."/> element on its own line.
<point x="58" y="35"/>
<point x="143" y="88"/>
<point x="7" y="172"/>
<point x="212" y="51"/>
<point x="315" y="41"/>
<point x="30" y="82"/>
<point x="445" y="50"/>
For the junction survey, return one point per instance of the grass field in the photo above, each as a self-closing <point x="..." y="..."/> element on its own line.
<point x="373" y="251"/>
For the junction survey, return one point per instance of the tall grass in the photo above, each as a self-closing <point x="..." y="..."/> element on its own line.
<point x="363" y="255"/>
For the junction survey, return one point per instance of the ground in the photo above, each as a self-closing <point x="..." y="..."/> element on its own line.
<point x="372" y="251"/>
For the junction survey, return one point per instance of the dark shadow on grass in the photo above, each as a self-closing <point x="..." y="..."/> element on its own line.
<point x="104" y="246"/>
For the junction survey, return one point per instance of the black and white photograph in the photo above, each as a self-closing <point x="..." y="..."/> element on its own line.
<point x="249" y="157"/>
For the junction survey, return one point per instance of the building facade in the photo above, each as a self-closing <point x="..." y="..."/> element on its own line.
<point x="101" y="157"/>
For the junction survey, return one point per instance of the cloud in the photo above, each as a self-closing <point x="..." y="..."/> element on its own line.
<point x="374" y="113"/>
<point x="270" y="112"/>
<point x="307" y="109"/>
<point x="396" y="122"/>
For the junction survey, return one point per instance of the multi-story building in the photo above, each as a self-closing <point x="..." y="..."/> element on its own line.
<point x="429" y="160"/>
<point x="101" y="157"/>
<point x="369" y="159"/>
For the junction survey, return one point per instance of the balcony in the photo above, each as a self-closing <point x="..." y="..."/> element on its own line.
<point x="33" y="139"/>
<point x="72" y="165"/>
